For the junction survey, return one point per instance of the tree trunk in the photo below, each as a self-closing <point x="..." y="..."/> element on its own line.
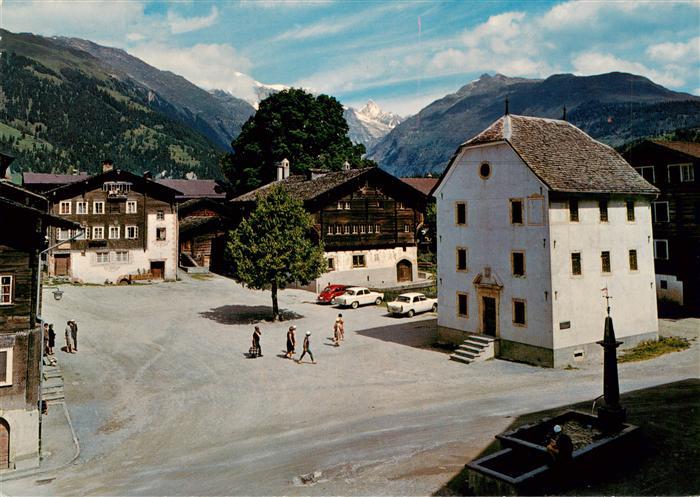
<point x="275" y="308"/>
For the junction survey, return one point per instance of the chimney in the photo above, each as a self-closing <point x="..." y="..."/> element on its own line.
<point x="282" y="169"/>
<point x="107" y="165"/>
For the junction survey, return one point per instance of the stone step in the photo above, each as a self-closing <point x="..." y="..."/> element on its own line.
<point x="51" y="386"/>
<point x="472" y="347"/>
<point x="457" y="358"/>
<point x="482" y="339"/>
<point x="53" y="397"/>
<point x="464" y="353"/>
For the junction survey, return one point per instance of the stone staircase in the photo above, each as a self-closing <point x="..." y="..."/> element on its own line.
<point x="52" y="386"/>
<point x="475" y="348"/>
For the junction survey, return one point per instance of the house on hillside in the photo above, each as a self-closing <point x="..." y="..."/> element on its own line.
<point x="535" y="218"/>
<point x="25" y="219"/>
<point x="674" y="167"/>
<point x="366" y="218"/>
<point x="131" y="229"/>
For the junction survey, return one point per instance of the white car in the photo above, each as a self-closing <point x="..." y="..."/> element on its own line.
<point x="411" y="304"/>
<point x="357" y="295"/>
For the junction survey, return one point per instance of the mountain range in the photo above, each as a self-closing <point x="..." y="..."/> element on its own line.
<point x="614" y="108"/>
<point x="369" y="124"/>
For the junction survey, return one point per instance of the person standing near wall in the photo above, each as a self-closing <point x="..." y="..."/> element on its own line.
<point x="69" y="338"/>
<point x="74" y="332"/>
<point x="256" y="342"/>
<point x="291" y="342"/>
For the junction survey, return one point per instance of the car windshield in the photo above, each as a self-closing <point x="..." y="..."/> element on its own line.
<point x="402" y="298"/>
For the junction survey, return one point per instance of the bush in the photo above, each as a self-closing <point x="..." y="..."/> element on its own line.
<point x="654" y="348"/>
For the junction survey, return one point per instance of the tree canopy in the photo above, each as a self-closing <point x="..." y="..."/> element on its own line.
<point x="273" y="247"/>
<point x="309" y="131"/>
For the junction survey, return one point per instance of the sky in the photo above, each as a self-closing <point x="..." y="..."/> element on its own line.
<point x="403" y="55"/>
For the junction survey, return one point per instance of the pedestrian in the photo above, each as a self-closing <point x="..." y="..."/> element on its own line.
<point x="74" y="328"/>
<point x="336" y="332"/>
<point x="291" y="342"/>
<point x="46" y="339"/>
<point x="69" y="338"/>
<point x="52" y="339"/>
<point x="307" y="349"/>
<point x="341" y="328"/>
<point x="257" y="349"/>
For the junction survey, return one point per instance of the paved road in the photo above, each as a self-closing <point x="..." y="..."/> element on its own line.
<point x="165" y="403"/>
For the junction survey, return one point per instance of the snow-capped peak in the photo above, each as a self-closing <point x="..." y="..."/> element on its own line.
<point x="370" y="123"/>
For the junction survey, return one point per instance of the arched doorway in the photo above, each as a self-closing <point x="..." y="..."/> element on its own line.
<point x="404" y="271"/>
<point x="4" y="444"/>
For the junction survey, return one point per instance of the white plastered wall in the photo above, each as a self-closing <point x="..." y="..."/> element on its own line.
<point x="24" y="437"/>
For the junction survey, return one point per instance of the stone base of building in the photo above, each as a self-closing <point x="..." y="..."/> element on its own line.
<point x="542" y="356"/>
<point x="24" y="438"/>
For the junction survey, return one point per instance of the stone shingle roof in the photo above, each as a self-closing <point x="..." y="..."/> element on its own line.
<point x="423" y="185"/>
<point x="51" y="179"/>
<point x="193" y="188"/>
<point x="565" y="158"/>
<point x="687" y="148"/>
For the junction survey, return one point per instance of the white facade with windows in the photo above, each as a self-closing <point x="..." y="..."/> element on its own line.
<point x="527" y="262"/>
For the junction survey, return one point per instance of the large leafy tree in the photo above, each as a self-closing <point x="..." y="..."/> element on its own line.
<point x="309" y="131"/>
<point x="273" y="247"/>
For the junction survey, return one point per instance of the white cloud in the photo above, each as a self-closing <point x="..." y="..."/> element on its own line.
<point x="573" y="13"/>
<point x="275" y="4"/>
<point x="687" y="52"/>
<point x="596" y="63"/>
<point x="179" y="24"/>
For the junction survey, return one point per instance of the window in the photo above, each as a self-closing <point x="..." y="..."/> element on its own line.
<point x="98" y="207"/>
<point x="160" y="234"/>
<point x="633" y="260"/>
<point x="338" y="229"/>
<point x="460" y="213"/>
<point x="630" y="210"/>
<point x="605" y="261"/>
<point x="680" y="173"/>
<point x="358" y="261"/>
<point x="62" y="234"/>
<point x="406" y="228"/>
<point x="661" y="249"/>
<point x="516" y="211"/>
<point x="346" y="229"/>
<point x="400" y="206"/>
<point x="518" y="263"/>
<point x="64" y="207"/>
<point x="339" y="206"/>
<point x="347" y="206"/>
<point x="663" y="284"/>
<point x="370" y="228"/>
<point x="121" y="256"/>
<point x="687" y="173"/>
<point x="576" y="263"/>
<point x="573" y="210"/>
<point x="132" y="232"/>
<point x="6" y="366"/>
<point x="362" y="229"/>
<point x="519" y="318"/>
<point x="462" y="308"/>
<point x="160" y="215"/>
<point x="659" y="212"/>
<point x="377" y="228"/>
<point x="329" y="229"/>
<point x="5" y="290"/>
<point x="535" y="214"/>
<point x="84" y="233"/>
<point x="114" y="232"/>
<point x="647" y="173"/>
<point x="355" y="229"/>
<point x="116" y="188"/>
<point x="330" y="264"/>
<point x="485" y="170"/>
<point x="461" y="259"/>
<point x="603" y="208"/>
<point x="98" y="233"/>
<point x="81" y="207"/>
<point x="101" y="257"/>
<point x="342" y="205"/>
<point x="131" y="206"/>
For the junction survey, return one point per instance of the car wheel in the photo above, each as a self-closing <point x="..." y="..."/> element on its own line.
<point x="354" y="305"/>
<point x="411" y="313"/>
<point x="378" y="301"/>
<point x="434" y="307"/>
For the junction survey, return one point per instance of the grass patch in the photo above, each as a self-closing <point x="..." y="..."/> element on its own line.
<point x="653" y="348"/>
<point x="200" y="276"/>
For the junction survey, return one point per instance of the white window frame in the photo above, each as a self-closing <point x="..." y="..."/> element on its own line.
<point x="136" y="232"/>
<point x="109" y="232"/>
<point x="101" y="253"/>
<point x="406" y="228"/>
<point x="97" y="203"/>
<point x="165" y="234"/>
<point x="101" y="231"/>
<point x="665" y="243"/>
<point x="329" y="230"/>
<point x="160" y="215"/>
<point x="377" y="228"/>
<point x="130" y="203"/>
<point x="687" y="173"/>
<point x="338" y="229"/>
<point x="62" y="234"/>
<point x="364" y="261"/>
<point x="84" y="205"/>
<point x="83" y="234"/>
<point x="355" y="229"/>
<point x="346" y="229"/>
<point x="8" y="367"/>
<point x="62" y="204"/>
<point x="12" y="288"/>
<point x="370" y="228"/>
<point x="655" y="218"/>
<point x="117" y="259"/>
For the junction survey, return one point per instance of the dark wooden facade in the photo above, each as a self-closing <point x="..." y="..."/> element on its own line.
<point x="204" y="227"/>
<point x="660" y="163"/>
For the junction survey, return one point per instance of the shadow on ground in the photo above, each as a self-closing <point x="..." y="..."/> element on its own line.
<point x="418" y="334"/>
<point x="666" y="464"/>
<point x="246" y="314"/>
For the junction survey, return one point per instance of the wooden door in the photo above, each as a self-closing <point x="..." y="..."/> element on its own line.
<point x="61" y="264"/>
<point x="404" y="271"/>
<point x="4" y="444"/>
<point x="157" y="269"/>
<point x="488" y="310"/>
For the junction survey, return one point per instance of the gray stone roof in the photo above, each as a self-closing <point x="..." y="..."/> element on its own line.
<point x="563" y="157"/>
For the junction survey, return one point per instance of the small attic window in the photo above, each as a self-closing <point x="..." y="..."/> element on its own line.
<point x="485" y="170"/>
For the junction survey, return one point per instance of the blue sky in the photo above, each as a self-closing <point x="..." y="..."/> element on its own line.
<point x="401" y="54"/>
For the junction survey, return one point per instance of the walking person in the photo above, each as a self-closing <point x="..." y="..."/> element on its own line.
<point x="336" y="332"/>
<point x="307" y="349"/>
<point x="256" y="342"/>
<point x="74" y="328"/>
<point x="52" y="339"/>
<point x="69" y="338"/>
<point x="291" y="342"/>
<point x="341" y="327"/>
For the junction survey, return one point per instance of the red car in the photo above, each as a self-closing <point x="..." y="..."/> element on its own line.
<point x="330" y="292"/>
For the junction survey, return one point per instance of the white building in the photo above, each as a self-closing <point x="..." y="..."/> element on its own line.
<point x="130" y="229"/>
<point x="535" y="218"/>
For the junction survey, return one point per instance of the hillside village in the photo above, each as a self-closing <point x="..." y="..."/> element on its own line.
<point x="287" y="296"/>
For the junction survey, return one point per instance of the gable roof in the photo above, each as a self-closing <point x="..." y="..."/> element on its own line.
<point x="154" y="189"/>
<point x="423" y="185"/>
<point x="193" y="188"/>
<point x="216" y="205"/>
<point x="562" y="156"/>
<point x="688" y="148"/>
<point x="51" y="179"/>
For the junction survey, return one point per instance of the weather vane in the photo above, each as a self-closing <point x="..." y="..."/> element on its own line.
<point x="607" y="298"/>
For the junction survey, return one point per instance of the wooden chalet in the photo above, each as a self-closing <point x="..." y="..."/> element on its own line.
<point x="24" y="218"/>
<point x="366" y="218"/>
<point x="204" y="226"/>
<point x="674" y="168"/>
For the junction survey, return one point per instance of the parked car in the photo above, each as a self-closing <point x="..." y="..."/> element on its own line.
<point x="358" y="295"/>
<point x="329" y="293"/>
<point x="410" y="304"/>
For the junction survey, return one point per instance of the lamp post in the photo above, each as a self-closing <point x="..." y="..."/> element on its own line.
<point x="611" y="415"/>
